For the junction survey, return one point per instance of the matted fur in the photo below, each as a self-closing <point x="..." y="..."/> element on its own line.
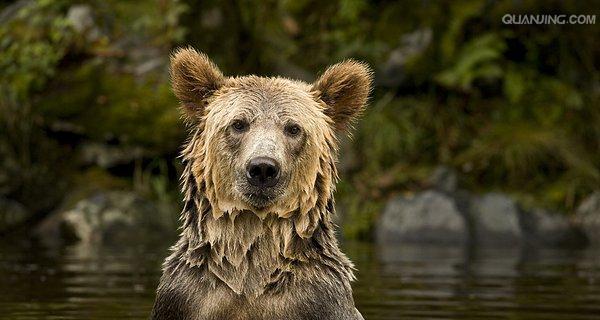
<point x="278" y="259"/>
<point x="194" y="78"/>
<point x="346" y="86"/>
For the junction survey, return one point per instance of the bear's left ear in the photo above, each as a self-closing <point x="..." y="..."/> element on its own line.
<point x="194" y="78"/>
<point x="344" y="87"/>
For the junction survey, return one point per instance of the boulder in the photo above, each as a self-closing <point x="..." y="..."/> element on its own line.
<point x="587" y="216"/>
<point x="391" y="72"/>
<point x="552" y="230"/>
<point x="11" y="11"/>
<point x="428" y="217"/>
<point x="111" y="218"/>
<point x="495" y="219"/>
<point x="444" y="179"/>
<point x="446" y="215"/>
<point x="81" y="18"/>
<point x="108" y="156"/>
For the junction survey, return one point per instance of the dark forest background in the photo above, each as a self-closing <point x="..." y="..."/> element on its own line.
<point x="86" y="106"/>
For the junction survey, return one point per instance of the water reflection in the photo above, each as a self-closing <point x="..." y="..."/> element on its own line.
<point x="452" y="282"/>
<point x="78" y="282"/>
<point x="395" y="282"/>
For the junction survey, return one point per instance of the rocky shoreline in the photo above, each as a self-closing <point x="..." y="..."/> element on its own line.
<point x="446" y="215"/>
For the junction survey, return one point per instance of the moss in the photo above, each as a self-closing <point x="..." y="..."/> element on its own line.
<point x="110" y="106"/>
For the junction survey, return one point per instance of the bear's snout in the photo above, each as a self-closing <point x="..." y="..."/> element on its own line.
<point x="262" y="172"/>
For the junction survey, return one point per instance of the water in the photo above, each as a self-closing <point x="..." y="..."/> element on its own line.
<point x="416" y="282"/>
<point x="395" y="282"/>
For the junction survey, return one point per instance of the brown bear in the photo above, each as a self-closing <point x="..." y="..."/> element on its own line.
<point x="257" y="240"/>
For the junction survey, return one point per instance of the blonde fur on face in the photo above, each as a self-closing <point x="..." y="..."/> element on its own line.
<point x="221" y="227"/>
<point x="264" y="97"/>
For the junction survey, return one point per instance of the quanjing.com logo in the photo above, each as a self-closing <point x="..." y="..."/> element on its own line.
<point x="549" y="19"/>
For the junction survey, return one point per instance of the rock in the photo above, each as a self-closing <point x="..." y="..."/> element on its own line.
<point x="443" y="179"/>
<point x="447" y="215"/>
<point x="149" y="66"/>
<point x="108" y="156"/>
<point x="143" y="59"/>
<point x="111" y="218"/>
<point x="552" y="230"/>
<point x="81" y="17"/>
<point x="587" y="216"/>
<point x="495" y="220"/>
<point x="391" y="73"/>
<point x="428" y="217"/>
<point x="10" y="11"/>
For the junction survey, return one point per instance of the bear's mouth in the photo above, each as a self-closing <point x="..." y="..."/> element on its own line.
<point x="259" y="199"/>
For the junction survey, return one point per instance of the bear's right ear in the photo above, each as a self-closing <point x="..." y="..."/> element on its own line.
<point x="344" y="87"/>
<point x="194" y="79"/>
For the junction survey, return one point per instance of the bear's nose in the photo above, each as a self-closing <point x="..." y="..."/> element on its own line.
<point x="262" y="172"/>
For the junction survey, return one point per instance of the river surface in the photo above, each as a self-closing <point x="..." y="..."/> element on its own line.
<point x="395" y="282"/>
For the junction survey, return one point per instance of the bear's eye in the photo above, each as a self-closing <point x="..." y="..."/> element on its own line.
<point x="239" y="126"/>
<point x="292" y="129"/>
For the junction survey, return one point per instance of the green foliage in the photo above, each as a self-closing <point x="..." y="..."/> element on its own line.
<point x="136" y="113"/>
<point x="33" y="41"/>
<point x="511" y="107"/>
<point x="158" y="22"/>
<point x="508" y="106"/>
<point x="54" y="98"/>
<point x="478" y="59"/>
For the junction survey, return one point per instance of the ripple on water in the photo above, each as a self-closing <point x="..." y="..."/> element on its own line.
<point x="395" y="282"/>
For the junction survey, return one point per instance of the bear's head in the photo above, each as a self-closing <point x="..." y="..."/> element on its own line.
<point x="267" y="145"/>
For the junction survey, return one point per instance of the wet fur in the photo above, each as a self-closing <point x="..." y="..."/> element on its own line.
<point x="236" y="262"/>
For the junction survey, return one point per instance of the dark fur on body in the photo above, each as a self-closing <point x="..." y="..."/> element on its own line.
<point x="240" y="263"/>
